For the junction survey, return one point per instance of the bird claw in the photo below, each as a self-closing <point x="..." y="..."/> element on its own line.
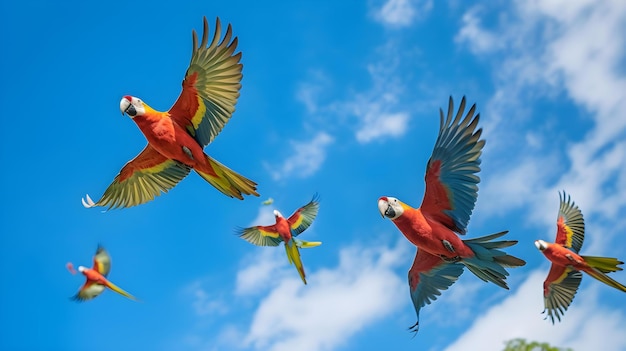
<point x="447" y="259"/>
<point x="447" y="245"/>
<point x="89" y="202"/>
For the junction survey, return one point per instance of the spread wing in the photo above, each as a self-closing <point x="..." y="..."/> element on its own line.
<point x="559" y="290"/>
<point x="300" y="220"/>
<point x="88" y="291"/>
<point x="427" y="277"/>
<point x="102" y="261"/>
<point x="211" y="85"/>
<point x="141" y="180"/>
<point x="570" y="225"/>
<point x="451" y="173"/>
<point x="260" y="235"/>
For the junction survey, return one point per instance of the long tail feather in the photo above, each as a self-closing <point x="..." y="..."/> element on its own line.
<point x="604" y="264"/>
<point x="228" y="181"/>
<point x="596" y="273"/>
<point x="306" y="244"/>
<point x="120" y="291"/>
<point x="293" y="255"/>
<point x="489" y="263"/>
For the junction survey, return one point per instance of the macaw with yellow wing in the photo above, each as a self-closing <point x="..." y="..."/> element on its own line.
<point x="565" y="275"/>
<point x="176" y="138"/>
<point x="286" y="230"/>
<point x="97" y="278"/>
<point x="451" y="192"/>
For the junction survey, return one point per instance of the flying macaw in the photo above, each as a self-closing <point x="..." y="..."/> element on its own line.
<point x="451" y="192"/>
<point x="286" y="230"/>
<point x="96" y="277"/>
<point x="565" y="274"/>
<point x="176" y="138"/>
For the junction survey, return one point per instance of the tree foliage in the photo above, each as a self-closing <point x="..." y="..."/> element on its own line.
<point x="523" y="345"/>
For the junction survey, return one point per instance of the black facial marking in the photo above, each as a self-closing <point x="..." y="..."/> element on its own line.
<point x="131" y="110"/>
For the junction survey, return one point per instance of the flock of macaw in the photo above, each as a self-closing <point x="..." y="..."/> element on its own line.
<point x="176" y="139"/>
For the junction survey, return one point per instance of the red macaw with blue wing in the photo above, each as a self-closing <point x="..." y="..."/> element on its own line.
<point x="451" y="193"/>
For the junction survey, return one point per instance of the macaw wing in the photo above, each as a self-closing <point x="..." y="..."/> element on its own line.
<point x="427" y="277"/>
<point x="141" y="180"/>
<point x="570" y="225"/>
<point x="88" y="291"/>
<point x="211" y="85"/>
<point x="451" y="174"/>
<point x="300" y="220"/>
<point x="102" y="261"/>
<point x="260" y="235"/>
<point x="559" y="290"/>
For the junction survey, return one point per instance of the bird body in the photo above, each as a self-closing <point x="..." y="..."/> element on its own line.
<point x="286" y="230"/>
<point x="434" y="227"/>
<point x="564" y="277"/>
<point x="176" y="138"/>
<point x="96" y="278"/>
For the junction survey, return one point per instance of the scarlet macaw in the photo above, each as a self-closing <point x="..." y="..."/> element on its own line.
<point x="451" y="192"/>
<point x="564" y="277"/>
<point x="96" y="278"/>
<point x="286" y="230"/>
<point x="176" y="138"/>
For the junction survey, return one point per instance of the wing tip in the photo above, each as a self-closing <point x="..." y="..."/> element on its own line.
<point x="87" y="201"/>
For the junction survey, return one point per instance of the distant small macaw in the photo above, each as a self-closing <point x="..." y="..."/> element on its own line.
<point x="564" y="277"/>
<point x="451" y="193"/>
<point x="176" y="138"/>
<point x="286" y="230"/>
<point x="96" y="277"/>
<point x="267" y="202"/>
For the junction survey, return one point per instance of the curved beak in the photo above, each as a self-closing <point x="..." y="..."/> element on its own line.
<point x="127" y="107"/>
<point x="540" y="244"/>
<point x="385" y="209"/>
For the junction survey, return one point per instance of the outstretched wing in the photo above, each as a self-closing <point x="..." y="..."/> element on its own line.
<point x="427" y="277"/>
<point x="141" y="180"/>
<point x="102" y="261"/>
<point x="211" y="85"/>
<point x="88" y="291"/>
<point x="570" y="225"/>
<point x="559" y="290"/>
<point x="260" y="235"/>
<point x="300" y="220"/>
<point x="451" y="180"/>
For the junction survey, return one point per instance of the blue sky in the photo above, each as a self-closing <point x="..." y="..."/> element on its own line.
<point x="340" y="99"/>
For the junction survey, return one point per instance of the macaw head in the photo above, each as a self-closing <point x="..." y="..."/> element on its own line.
<point x="81" y="268"/>
<point x="541" y="245"/>
<point x="277" y="214"/>
<point x="132" y="106"/>
<point x="390" y="207"/>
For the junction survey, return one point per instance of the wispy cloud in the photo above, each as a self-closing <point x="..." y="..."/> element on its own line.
<point x="401" y="13"/>
<point x="360" y="290"/>
<point x="551" y="50"/>
<point x="306" y="159"/>
<point x="518" y="316"/>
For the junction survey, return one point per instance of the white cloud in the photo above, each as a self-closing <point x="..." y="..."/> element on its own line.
<point x="377" y="125"/>
<point x="574" y="52"/>
<point x="361" y="290"/>
<point x="402" y="13"/>
<point x="518" y="316"/>
<point x="481" y="40"/>
<point x="306" y="159"/>
<point x="204" y="303"/>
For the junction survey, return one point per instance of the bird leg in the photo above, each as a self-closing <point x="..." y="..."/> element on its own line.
<point x="450" y="248"/>
<point x="187" y="151"/>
